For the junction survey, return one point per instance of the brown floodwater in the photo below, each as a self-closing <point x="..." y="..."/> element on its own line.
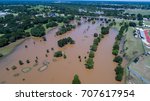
<point x="60" y="70"/>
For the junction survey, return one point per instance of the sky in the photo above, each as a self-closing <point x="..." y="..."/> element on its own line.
<point x="76" y="0"/>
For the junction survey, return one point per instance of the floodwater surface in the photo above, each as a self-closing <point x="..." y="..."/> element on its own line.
<point x="60" y="70"/>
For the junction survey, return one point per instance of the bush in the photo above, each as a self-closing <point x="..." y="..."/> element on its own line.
<point x="132" y="24"/>
<point x="91" y="55"/>
<point x="58" y="54"/>
<point x="76" y="80"/>
<point x="115" y="52"/>
<point x="20" y="62"/>
<point x="28" y="61"/>
<point x="65" y="56"/>
<point x="118" y="59"/>
<point x="89" y="63"/>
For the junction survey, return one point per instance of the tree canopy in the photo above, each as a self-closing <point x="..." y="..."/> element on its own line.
<point x="38" y="31"/>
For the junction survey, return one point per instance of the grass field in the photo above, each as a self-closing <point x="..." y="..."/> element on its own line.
<point x="7" y="49"/>
<point x="133" y="46"/>
<point x="142" y="67"/>
<point x="147" y="22"/>
<point x="137" y="11"/>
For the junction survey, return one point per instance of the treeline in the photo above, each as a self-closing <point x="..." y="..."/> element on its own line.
<point x="64" y="29"/>
<point x="65" y="41"/>
<point x="132" y="16"/>
<point x="22" y="18"/>
<point x="119" y="69"/>
<point x="93" y="48"/>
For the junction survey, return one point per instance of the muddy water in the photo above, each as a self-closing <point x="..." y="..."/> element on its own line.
<point x="62" y="70"/>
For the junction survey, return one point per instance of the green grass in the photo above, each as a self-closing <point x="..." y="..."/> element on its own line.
<point x="1" y="35"/>
<point x="147" y="22"/>
<point x="118" y="21"/>
<point x="147" y="61"/>
<point x="9" y="48"/>
<point x="137" y="11"/>
<point x="60" y="24"/>
<point x="28" y="30"/>
<point x="133" y="44"/>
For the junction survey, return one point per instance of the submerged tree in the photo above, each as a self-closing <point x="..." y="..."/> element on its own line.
<point x="58" y="54"/>
<point x="119" y="72"/>
<point x="47" y="50"/>
<point x="20" y="62"/>
<point x="64" y="56"/>
<point x="76" y="80"/>
<point x="89" y="63"/>
<point x="28" y="61"/>
<point x="118" y="59"/>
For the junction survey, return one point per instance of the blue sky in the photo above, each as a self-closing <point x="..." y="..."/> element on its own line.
<point x="76" y="0"/>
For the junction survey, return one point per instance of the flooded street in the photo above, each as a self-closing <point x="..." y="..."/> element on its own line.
<point x="61" y="71"/>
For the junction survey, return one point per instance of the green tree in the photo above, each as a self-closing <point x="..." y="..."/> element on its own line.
<point x="115" y="52"/>
<point x="3" y="42"/>
<point x="139" y="17"/>
<point x="93" y="48"/>
<point x="105" y="30"/>
<point x="119" y="72"/>
<point x="58" y="54"/>
<point x="89" y="63"/>
<point x="91" y="55"/>
<point x="51" y="24"/>
<point x="76" y="80"/>
<point x="38" y="31"/>
<point x="118" y="59"/>
<point x="140" y="23"/>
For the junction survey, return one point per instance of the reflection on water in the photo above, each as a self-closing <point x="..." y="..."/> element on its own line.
<point x="61" y="70"/>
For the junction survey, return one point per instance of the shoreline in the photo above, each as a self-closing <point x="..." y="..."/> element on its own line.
<point x="23" y="40"/>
